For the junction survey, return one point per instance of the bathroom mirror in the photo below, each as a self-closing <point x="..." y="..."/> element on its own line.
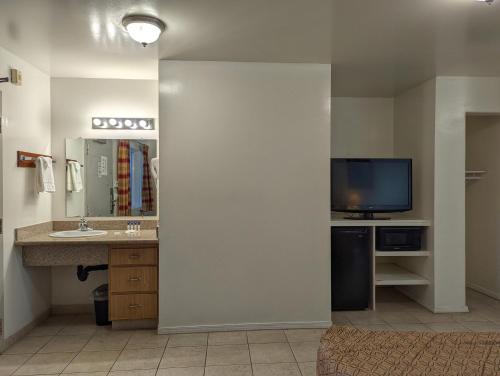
<point x="110" y="178"/>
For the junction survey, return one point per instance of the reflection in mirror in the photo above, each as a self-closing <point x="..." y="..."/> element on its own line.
<point x="106" y="178"/>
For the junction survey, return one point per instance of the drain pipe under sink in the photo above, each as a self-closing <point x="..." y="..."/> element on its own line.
<point x="82" y="272"/>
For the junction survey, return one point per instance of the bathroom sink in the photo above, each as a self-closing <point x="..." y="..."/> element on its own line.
<point x="77" y="233"/>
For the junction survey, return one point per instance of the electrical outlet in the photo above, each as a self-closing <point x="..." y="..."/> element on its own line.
<point x="16" y="77"/>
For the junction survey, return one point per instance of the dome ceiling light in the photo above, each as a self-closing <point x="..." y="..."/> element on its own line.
<point x="143" y="29"/>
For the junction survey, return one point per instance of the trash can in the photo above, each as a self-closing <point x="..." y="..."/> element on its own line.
<point x="101" y="301"/>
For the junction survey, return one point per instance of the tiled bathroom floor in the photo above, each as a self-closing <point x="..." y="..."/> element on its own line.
<point x="74" y="345"/>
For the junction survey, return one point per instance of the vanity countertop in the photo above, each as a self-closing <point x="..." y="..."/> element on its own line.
<point x="113" y="237"/>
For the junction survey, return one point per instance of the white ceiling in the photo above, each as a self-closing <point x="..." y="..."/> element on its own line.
<point x="378" y="47"/>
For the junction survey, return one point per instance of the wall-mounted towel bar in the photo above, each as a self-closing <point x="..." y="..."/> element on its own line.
<point x="73" y="160"/>
<point x="27" y="159"/>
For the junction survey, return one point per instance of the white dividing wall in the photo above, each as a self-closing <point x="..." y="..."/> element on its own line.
<point x="74" y="102"/>
<point x="455" y="96"/>
<point x="414" y="118"/>
<point x="362" y="127"/>
<point x="27" y="112"/>
<point x="244" y="195"/>
<point x="483" y="205"/>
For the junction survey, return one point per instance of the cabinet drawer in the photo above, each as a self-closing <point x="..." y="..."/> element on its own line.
<point x="133" y="279"/>
<point x="133" y="307"/>
<point x="131" y="256"/>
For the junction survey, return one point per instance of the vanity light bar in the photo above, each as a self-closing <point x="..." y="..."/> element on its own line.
<point x="123" y="123"/>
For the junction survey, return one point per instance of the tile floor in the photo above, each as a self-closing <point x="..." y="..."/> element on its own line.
<point x="65" y="345"/>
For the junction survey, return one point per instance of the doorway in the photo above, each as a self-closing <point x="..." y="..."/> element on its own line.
<point x="482" y="209"/>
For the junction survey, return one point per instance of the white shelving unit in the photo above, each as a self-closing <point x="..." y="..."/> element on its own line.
<point x="394" y="275"/>
<point x="389" y="270"/>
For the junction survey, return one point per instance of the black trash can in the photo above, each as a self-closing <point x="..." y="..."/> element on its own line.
<point x="101" y="302"/>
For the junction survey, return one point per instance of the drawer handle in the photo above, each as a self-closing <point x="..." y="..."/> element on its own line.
<point x="134" y="279"/>
<point x="133" y="306"/>
<point x="134" y="256"/>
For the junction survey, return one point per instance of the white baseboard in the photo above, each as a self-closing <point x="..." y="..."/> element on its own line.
<point x="451" y="309"/>
<point x="485" y="291"/>
<point x="244" y="326"/>
<point x="9" y="341"/>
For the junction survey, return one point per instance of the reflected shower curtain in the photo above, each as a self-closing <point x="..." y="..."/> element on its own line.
<point x="123" y="175"/>
<point x="147" y="192"/>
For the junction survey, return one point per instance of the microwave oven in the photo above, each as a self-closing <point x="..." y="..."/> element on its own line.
<point x="398" y="238"/>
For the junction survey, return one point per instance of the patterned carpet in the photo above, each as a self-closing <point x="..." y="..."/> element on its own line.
<point x="348" y="351"/>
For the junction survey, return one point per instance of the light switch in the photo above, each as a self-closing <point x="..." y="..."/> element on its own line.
<point x="16" y="77"/>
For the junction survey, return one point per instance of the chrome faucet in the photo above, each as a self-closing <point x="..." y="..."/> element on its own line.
<point x="84" y="225"/>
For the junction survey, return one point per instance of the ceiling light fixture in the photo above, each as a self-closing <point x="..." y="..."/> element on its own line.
<point x="489" y="2"/>
<point x="143" y="29"/>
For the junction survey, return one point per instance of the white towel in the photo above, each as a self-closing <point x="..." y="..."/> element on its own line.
<point x="74" y="177"/>
<point x="44" y="175"/>
<point x="155" y="170"/>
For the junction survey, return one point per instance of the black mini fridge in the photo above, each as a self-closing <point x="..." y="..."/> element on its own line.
<point x="350" y="268"/>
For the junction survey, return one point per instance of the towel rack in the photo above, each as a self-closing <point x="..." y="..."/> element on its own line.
<point x="73" y="160"/>
<point x="27" y="159"/>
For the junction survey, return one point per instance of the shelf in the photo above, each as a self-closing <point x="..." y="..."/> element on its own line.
<point x="474" y="174"/>
<point x="393" y="275"/>
<point x="396" y="221"/>
<point x="402" y="253"/>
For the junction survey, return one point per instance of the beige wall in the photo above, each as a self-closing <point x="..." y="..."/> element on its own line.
<point x="483" y="205"/>
<point x="414" y="118"/>
<point x="27" y="112"/>
<point x="244" y="206"/>
<point x="362" y="127"/>
<point x="74" y="102"/>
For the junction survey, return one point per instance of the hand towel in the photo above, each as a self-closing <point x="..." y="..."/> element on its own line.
<point x="74" y="177"/>
<point x="44" y="175"/>
<point x="155" y="170"/>
<point x="69" y="179"/>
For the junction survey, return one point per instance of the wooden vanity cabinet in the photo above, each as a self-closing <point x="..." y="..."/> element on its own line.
<point x="133" y="282"/>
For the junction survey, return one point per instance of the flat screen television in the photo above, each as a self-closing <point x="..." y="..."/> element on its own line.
<point x="367" y="186"/>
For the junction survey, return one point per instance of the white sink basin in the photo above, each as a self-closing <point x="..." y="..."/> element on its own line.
<point x="77" y="233"/>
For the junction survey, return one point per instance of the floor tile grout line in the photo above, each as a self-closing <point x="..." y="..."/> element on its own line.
<point x="23" y="363"/>
<point x="294" y="357"/>
<point x="118" y="357"/>
<point x="206" y="356"/>
<point x="249" y="353"/>
<point x="79" y="352"/>
<point x="164" y="351"/>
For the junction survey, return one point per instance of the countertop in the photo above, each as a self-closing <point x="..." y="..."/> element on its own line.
<point x="113" y="237"/>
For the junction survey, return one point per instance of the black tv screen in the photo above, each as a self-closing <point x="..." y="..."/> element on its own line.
<point x="371" y="185"/>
